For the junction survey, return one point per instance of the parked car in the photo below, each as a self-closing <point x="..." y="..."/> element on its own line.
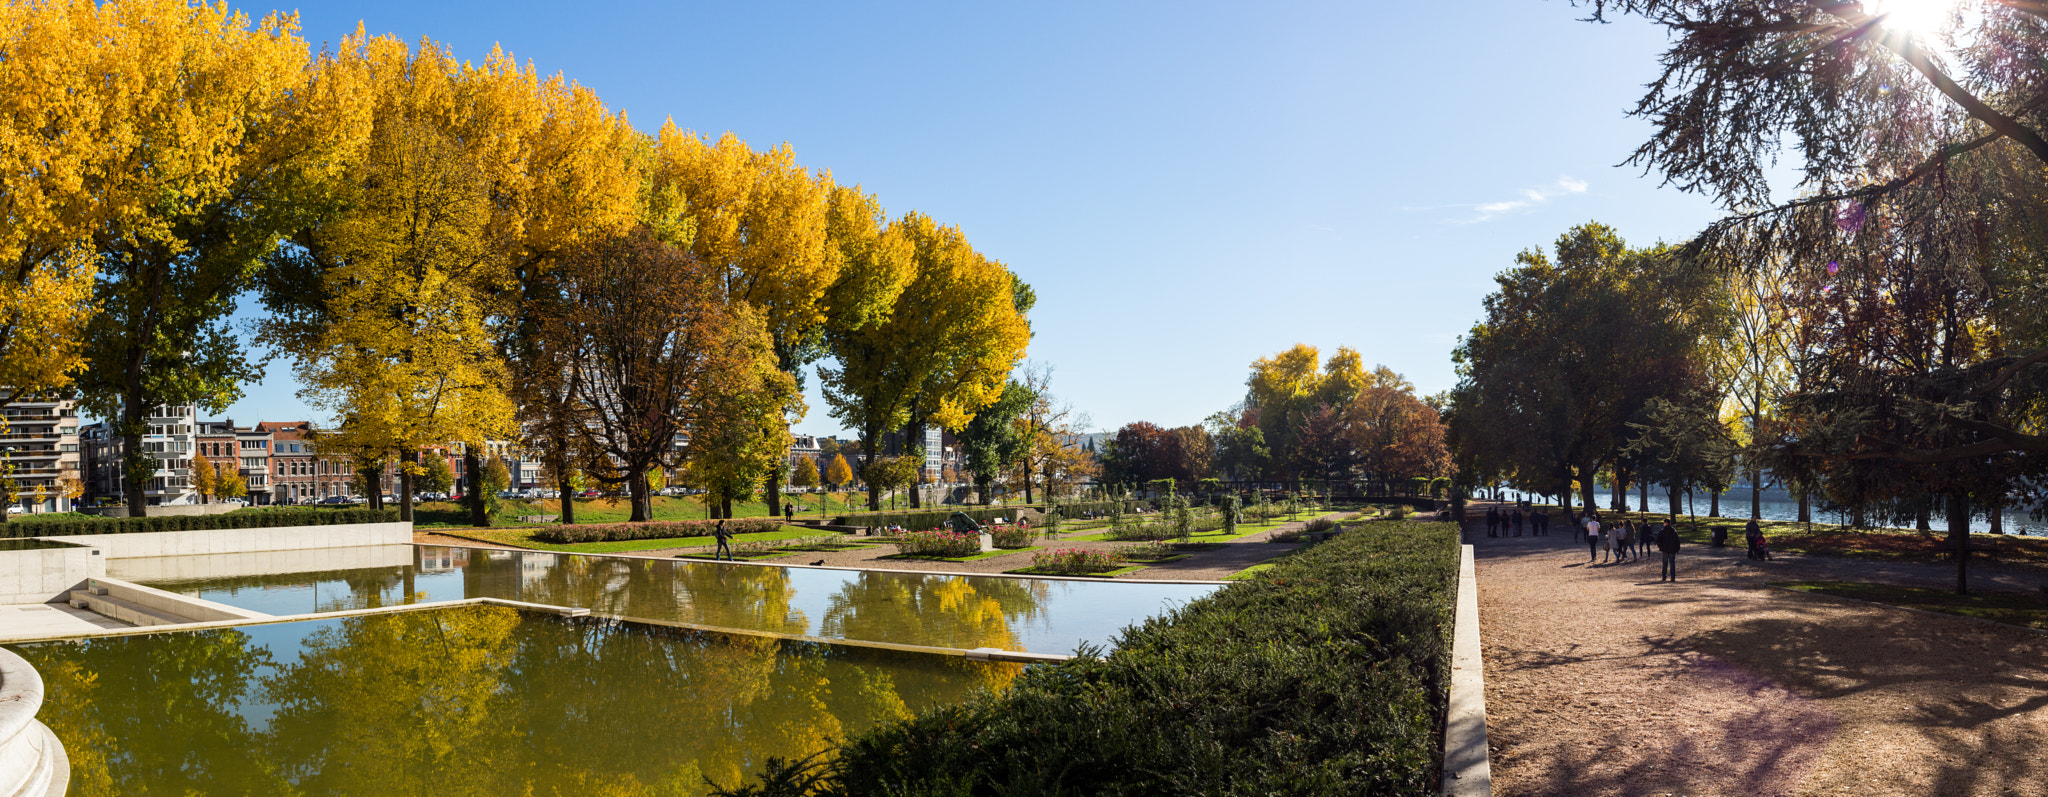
<point x="16" y="510"/>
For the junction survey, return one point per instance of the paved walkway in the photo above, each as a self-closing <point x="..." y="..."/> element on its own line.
<point x="45" y="620"/>
<point x="1603" y="680"/>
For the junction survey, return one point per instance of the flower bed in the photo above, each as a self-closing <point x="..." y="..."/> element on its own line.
<point x="937" y="542"/>
<point x="1014" y="537"/>
<point x="651" y="530"/>
<point x="1074" y="560"/>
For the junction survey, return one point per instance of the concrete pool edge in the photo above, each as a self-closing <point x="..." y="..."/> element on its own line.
<point x="978" y="654"/>
<point x="492" y="546"/>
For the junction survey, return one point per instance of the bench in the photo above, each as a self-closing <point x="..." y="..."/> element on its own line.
<point x="1948" y="547"/>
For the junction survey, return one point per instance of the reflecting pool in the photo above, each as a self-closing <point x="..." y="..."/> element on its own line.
<point x="465" y="701"/>
<point x="1035" y="615"/>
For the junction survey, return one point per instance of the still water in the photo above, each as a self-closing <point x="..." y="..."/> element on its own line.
<point x="1035" y="615"/>
<point x="466" y="701"/>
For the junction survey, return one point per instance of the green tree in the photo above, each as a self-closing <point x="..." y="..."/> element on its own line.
<point x="438" y="478"/>
<point x="1638" y="319"/>
<point x="995" y="441"/>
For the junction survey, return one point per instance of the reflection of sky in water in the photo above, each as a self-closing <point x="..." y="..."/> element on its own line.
<point x="1037" y="615"/>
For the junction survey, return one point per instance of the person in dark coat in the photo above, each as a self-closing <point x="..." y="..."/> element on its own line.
<point x="1493" y="521"/>
<point x="1667" y="542"/>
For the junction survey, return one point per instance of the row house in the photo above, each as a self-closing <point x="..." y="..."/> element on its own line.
<point x="41" y="443"/>
<point x="301" y="475"/>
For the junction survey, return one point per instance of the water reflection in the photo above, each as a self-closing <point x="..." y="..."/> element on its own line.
<point x="904" y="608"/>
<point x="473" y="701"/>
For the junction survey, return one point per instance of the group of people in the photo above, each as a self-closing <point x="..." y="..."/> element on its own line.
<point x="1616" y="542"/>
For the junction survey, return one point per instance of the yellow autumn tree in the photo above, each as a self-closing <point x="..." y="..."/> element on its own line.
<point x="758" y="219"/>
<point x="408" y="266"/>
<point x="950" y="340"/>
<point x="203" y="477"/>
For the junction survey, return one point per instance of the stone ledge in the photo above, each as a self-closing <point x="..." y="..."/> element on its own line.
<point x="1468" y="767"/>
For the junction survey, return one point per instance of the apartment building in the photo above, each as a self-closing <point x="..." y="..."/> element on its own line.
<point x="170" y="438"/>
<point x="41" y="442"/>
<point x="300" y="474"/>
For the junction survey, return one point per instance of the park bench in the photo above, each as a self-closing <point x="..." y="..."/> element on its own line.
<point x="1948" y="547"/>
<point x="540" y="518"/>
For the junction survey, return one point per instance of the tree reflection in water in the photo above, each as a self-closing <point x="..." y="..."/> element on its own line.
<point x="473" y="701"/>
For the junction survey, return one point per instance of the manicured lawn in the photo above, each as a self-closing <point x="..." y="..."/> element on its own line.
<point x="977" y="557"/>
<point x="2016" y="608"/>
<point x="598" y="510"/>
<point x="1248" y="572"/>
<point x="522" y="537"/>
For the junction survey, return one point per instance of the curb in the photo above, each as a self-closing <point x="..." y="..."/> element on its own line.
<point x="1468" y="769"/>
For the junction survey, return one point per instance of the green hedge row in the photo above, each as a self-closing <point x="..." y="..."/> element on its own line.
<point x="1081" y="509"/>
<point x="651" y="530"/>
<point x="1325" y="675"/>
<point x="238" y="519"/>
<point x="926" y="519"/>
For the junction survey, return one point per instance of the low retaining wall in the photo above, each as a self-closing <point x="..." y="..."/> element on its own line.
<point x="1468" y="766"/>
<point x="260" y="563"/>
<point x="177" y="606"/>
<point x="46" y="574"/>
<point x="218" y="541"/>
<point x="32" y="760"/>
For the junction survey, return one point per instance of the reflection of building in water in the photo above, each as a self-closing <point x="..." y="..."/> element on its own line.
<point x="535" y="566"/>
<point x="441" y="560"/>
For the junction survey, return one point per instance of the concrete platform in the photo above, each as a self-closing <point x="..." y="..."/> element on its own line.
<point x="46" y="620"/>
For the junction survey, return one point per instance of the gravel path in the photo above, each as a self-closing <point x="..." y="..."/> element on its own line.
<point x="1603" y="680"/>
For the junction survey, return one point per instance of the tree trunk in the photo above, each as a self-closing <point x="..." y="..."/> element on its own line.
<point x="772" y="490"/>
<point x="1959" y="536"/>
<point x="1756" y="496"/>
<point x="725" y="507"/>
<point x="1714" y="503"/>
<point x="1997" y="517"/>
<point x="132" y="456"/>
<point x="1805" y="507"/>
<point x="566" y="499"/>
<point x="473" y="466"/>
<point x="407" y="460"/>
<point x="1672" y="502"/>
<point x="1922" y="516"/>
<point x="1620" y="488"/>
<point x="636" y="487"/>
<point x="1643" y="495"/>
<point x="1588" y="490"/>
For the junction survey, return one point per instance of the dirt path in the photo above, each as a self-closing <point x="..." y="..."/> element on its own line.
<point x="1603" y="680"/>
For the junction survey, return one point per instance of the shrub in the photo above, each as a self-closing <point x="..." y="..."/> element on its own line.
<point x="1145" y="552"/>
<point x="1074" y="560"/>
<point x="938" y="543"/>
<point x="239" y="519"/>
<point x="1014" y="537"/>
<point x="1325" y="675"/>
<point x="650" y="530"/>
<point x="1320" y="524"/>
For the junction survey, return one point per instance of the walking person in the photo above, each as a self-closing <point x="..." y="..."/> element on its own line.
<point x="1626" y="545"/>
<point x="1592" y="538"/>
<point x="1518" y="521"/>
<point x="724" y="542"/>
<point x="1667" y="542"/>
<point x="1493" y="521"/>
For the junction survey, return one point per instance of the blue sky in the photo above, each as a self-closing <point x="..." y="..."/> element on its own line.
<point x="1188" y="186"/>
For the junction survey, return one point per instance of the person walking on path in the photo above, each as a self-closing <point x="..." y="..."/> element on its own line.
<point x="1626" y="545"/>
<point x="724" y="540"/>
<point x="1518" y="521"/>
<point x="1667" y="542"/>
<point x="1592" y="538"/>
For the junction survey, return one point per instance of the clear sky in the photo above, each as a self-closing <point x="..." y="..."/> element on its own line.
<point x="1189" y="186"/>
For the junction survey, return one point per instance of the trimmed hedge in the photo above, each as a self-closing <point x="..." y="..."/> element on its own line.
<point x="651" y="530"/>
<point x="927" y="519"/>
<point x="238" y="519"/>
<point x="1326" y="675"/>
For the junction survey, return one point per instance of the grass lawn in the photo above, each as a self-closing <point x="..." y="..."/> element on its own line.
<point x="2015" y="608"/>
<point x="1248" y="572"/>
<point x="1243" y="530"/>
<point x="977" y="557"/>
<point x="599" y="510"/>
<point x="1050" y="571"/>
<point x="522" y="537"/>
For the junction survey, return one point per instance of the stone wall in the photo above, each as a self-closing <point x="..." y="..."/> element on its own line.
<point x="219" y="541"/>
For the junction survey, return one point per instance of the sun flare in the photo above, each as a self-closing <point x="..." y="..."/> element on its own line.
<point x="1913" y="16"/>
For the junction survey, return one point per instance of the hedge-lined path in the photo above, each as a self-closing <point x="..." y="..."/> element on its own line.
<point x="1603" y="680"/>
